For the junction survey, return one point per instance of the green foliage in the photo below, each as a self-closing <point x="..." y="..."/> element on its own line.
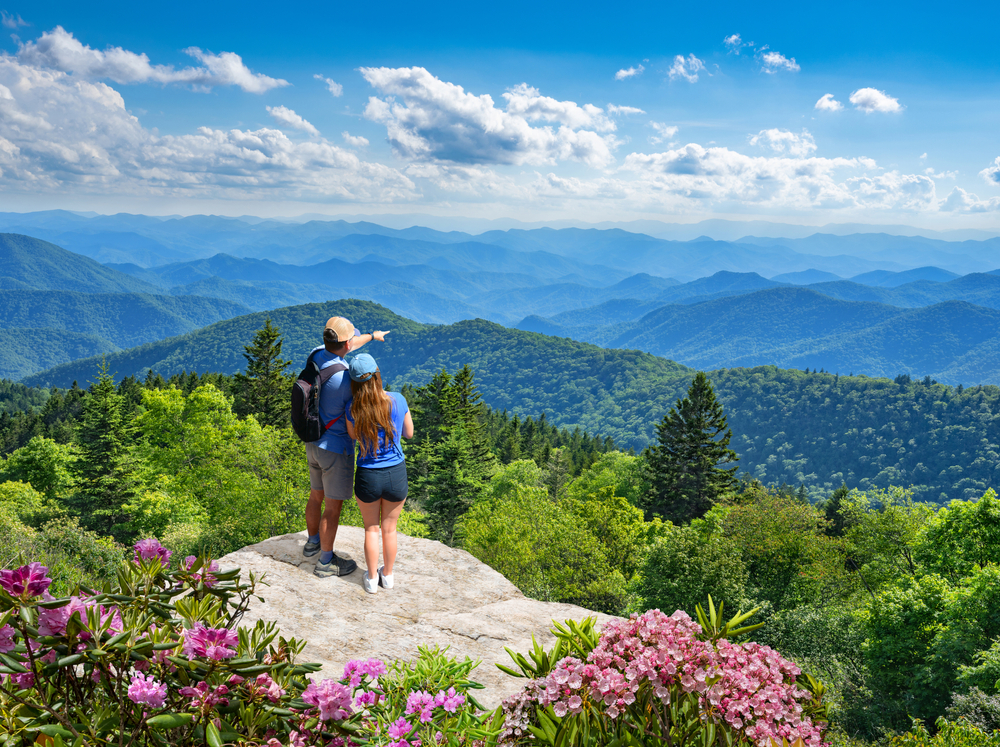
<point x="789" y="557"/>
<point x="231" y="481"/>
<point x="545" y="551"/>
<point x="45" y="464"/>
<point x="683" y="565"/>
<point x="960" y="537"/>
<point x="947" y="734"/>
<point x="883" y="528"/>
<point x="688" y="464"/>
<point x="263" y="390"/>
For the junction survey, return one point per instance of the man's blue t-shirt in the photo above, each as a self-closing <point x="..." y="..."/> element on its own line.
<point x="391" y="453"/>
<point x="333" y="401"/>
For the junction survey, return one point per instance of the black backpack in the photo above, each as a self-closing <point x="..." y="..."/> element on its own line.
<point x="306" y="421"/>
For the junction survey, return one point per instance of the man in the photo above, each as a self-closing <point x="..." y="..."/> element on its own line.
<point x="331" y="459"/>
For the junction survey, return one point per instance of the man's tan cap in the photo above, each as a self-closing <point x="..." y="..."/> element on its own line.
<point x="339" y="329"/>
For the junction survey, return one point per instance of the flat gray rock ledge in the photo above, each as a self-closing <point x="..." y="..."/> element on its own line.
<point x="442" y="597"/>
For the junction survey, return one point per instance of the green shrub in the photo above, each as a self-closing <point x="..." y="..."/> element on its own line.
<point x="948" y="734"/>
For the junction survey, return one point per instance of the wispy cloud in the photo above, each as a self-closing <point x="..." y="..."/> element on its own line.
<point x="773" y="62"/>
<point x="615" y="110"/>
<point x="331" y="85"/>
<point x="960" y="201"/>
<point x="870" y="100"/>
<point x="12" y="21"/>
<point x="630" y="72"/>
<point x="288" y="117"/>
<point x="663" y="132"/>
<point x="735" y="44"/>
<point x="686" y="68"/>
<point x="60" y="50"/>
<point x="827" y="103"/>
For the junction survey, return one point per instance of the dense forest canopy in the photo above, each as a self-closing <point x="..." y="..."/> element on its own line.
<point x="797" y="427"/>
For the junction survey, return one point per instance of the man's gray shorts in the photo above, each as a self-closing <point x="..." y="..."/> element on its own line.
<point x="331" y="472"/>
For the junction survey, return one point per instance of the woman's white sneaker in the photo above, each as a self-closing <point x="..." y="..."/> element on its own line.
<point x="384" y="581"/>
<point x="371" y="584"/>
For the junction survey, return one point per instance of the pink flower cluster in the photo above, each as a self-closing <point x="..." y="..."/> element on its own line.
<point x="204" y="697"/>
<point x="398" y="731"/>
<point x="204" y="574"/>
<point x="25" y="582"/>
<point x="356" y="669"/>
<point x="424" y="703"/>
<point x="263" y="687"/>
<point x="148" y="549"/>
<point x="653" y="657"/>
<point x="54" y="621"/>
<point x="209" y="643"/>
<point x="331" y="698"/>
<point x="148" y="691"/>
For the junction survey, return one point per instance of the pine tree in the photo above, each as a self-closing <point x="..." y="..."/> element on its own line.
<point x="263" y="390"/>
<point x="106" y="472"/>
<point x="687" y="464"/>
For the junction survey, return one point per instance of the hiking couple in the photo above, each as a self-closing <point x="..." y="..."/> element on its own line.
<point x="353" y="406"/>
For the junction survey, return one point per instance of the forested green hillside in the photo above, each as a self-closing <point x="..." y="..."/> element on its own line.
<point x="40" y="329"/>
<point x="28" y="263"/>
<point x="789" y="426"/>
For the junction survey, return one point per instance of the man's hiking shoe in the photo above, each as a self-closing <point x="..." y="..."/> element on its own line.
<point x="371" y="584"/>
<point x="310" y="549"/>
<point x="336" y="567"/>
<point x="385" y="581"/>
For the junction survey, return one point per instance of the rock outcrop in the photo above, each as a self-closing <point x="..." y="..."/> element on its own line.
<point x="442" y="597"/>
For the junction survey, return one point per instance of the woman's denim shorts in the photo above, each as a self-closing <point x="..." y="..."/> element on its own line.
<point x="385" y="483"/>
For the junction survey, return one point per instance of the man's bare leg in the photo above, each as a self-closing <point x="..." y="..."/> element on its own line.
<point x="313" y="510"/>
<point x="329" y="523"/>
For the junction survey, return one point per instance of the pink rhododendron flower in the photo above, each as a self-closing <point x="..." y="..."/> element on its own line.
<point x="331" y="698"/>
<point x="209" y="643"/>
<point x="148" y="691"/>
<point x="25" y="582"/>
<point x="148" y="549"/>
<point x="356" y="669"/>
<point x="399" y="728"/>
<point x="204" y="574"/>
<point x="265" y="687"/>
<point x="6" y="639"/>
<point x="204" y="698"/>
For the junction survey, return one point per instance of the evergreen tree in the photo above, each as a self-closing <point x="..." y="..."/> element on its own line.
<point x="106" y="472"/>
<point x="263" y="390"/>
<point x="688" y="463"/>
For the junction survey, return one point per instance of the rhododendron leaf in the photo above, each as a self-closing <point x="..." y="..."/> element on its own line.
<point x="49" y="604"/>
<point x="54" y="730"/>
<point x="165" y="721"/>
<point x="12" y="664"/>
<point x="212" y="735"/>
<point x="67" y="661"/>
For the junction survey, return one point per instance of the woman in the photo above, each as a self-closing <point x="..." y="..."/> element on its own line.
<point x="377" y="419"/>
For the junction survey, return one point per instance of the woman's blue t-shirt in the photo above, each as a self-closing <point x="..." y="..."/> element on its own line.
<point x="387" y="454"/>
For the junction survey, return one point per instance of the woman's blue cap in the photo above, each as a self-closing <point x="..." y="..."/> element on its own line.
<point x="362" y="367"/>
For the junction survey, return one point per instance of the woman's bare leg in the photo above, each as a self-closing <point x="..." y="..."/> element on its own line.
<point x="370" y="514"/>
<point x="390" y="515"/>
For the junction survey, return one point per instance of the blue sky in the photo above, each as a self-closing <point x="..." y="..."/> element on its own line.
<point x="525" y="110"/>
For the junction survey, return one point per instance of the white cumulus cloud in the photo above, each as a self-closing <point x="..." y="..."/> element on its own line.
<point x="992" y="173"/>
<point x="428" y="119"/>
<point x="783" y="141"/>
<point x="630" y="72"/>
<point x="355" y="141"/>
<point x="60" y="133"/>
<point x="960" y="201"/>
<point x="687" y="68"/>
<point x="288" y="117"/>
<point x="871" y="100"/>
<point x="331" y="85"/>
<point x="827" y="103"/>
<point x="772" y="62"/>
<point x="59" y="50"/>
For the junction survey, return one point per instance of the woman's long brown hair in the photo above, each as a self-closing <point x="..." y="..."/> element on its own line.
<point x="371" y="410"/>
